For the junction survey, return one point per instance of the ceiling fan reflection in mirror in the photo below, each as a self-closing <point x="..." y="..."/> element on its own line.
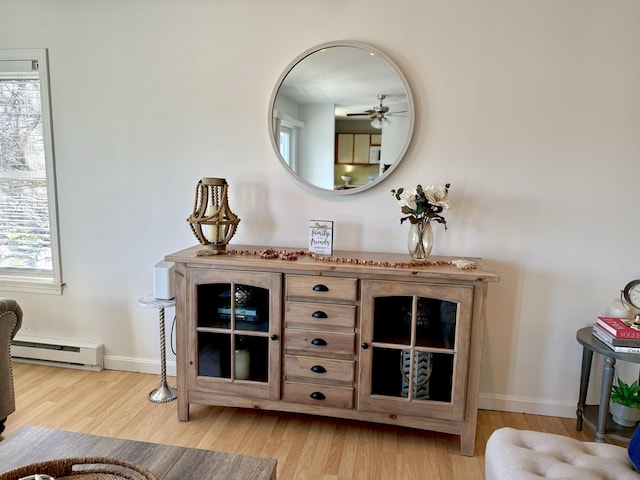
<point x="379" y="114"/>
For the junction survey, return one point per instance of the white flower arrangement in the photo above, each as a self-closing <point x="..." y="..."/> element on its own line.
<point x="423" y="204"/>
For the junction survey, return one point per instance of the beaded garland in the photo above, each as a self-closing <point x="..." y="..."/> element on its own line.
<point x="293" y="255"/>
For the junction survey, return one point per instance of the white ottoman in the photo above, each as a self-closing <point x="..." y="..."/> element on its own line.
<point x="525" y="455"/>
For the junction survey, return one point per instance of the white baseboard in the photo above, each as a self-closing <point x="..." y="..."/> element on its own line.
<point x="127" y="364"/>
<point x="533" y="406"/>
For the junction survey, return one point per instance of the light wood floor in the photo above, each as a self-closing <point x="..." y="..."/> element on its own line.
<point x="114" y="404"/>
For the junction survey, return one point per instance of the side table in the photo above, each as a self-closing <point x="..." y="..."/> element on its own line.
<point x="164" y="393"/>
<point x="597" y="416"/>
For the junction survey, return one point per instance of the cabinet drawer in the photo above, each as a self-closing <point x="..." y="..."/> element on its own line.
<point x="319" y="369"/>
<point x="322" y="288"/>
<point x="321" y="395"/>
<point x="320" y="314"/>
<point x="319" y="343"/>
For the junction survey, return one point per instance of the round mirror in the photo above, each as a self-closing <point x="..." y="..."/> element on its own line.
<point x="341" y="117"/>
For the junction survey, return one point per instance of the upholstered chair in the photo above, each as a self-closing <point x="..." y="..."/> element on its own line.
<point x="10" y="322"/>
<point x="513" y="454"/>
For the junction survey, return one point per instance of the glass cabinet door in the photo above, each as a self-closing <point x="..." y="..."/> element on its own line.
<point x="415" y="339"/>
<point x="236" y="332"/>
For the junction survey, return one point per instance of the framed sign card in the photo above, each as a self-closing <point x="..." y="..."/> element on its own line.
<point x="321" y="237"/>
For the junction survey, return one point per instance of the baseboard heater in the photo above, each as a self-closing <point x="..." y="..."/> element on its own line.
<point x="57" y="352"/>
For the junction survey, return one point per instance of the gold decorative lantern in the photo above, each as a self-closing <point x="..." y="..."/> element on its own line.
<point x="212" y="221"/>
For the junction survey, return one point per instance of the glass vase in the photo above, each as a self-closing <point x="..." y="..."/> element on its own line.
<point x="420" y="241"/>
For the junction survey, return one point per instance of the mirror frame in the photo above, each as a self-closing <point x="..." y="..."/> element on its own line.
<point x="410" y="102"/>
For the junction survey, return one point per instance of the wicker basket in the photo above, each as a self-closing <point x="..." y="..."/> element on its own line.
<point x="82" y="468"/>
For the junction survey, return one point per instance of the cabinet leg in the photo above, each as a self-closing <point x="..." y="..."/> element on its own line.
<point x="467" y="439"/>
<point x="608" y="370"/>
<point x="587" y="357"/>
<point x="183" y="410"/>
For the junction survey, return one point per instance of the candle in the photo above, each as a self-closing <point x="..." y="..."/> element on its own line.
<point x="243" y="359"/>
<point x="617" y="309"/>
<point x="209" y="231"/>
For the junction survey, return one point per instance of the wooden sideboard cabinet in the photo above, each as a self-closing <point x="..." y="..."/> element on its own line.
<point x="388" y="344"/>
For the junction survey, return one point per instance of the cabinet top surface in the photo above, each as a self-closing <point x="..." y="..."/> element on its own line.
<point x="344" y="262"/>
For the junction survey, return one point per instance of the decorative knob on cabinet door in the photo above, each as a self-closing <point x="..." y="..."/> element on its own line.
<point x="364" y="345"/>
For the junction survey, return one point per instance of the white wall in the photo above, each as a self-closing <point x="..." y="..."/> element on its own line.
<point x="530" y="109"/>
<point x="394" y="137"/>
<point x="317" y="139"/>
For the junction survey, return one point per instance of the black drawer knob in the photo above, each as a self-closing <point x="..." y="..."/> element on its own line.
<point x="319" y="314"/>
<point x="319" y="342"/>
<point x="365" y="345"/>
<point x="317" y="396"/>
<point x="274" y="337"/>
<point x="320" y="288"/>
<point x="318" y="369"/>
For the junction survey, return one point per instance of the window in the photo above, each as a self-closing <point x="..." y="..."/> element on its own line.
<point x="288" y="141"/>
<point x="29" y="252"/>
<point x="285" y="144"/>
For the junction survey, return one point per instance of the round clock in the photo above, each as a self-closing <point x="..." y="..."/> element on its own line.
<point x="631" y="294"/>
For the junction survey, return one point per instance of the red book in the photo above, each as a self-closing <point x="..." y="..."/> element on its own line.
<point x="618" y="328"/>
<point x="609" y="339"/>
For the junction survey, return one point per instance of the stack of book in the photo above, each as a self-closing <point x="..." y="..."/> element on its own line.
<point x="617" y="335"/>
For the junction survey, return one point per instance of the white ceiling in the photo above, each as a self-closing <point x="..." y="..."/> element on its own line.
<point x="349" y="77"/>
